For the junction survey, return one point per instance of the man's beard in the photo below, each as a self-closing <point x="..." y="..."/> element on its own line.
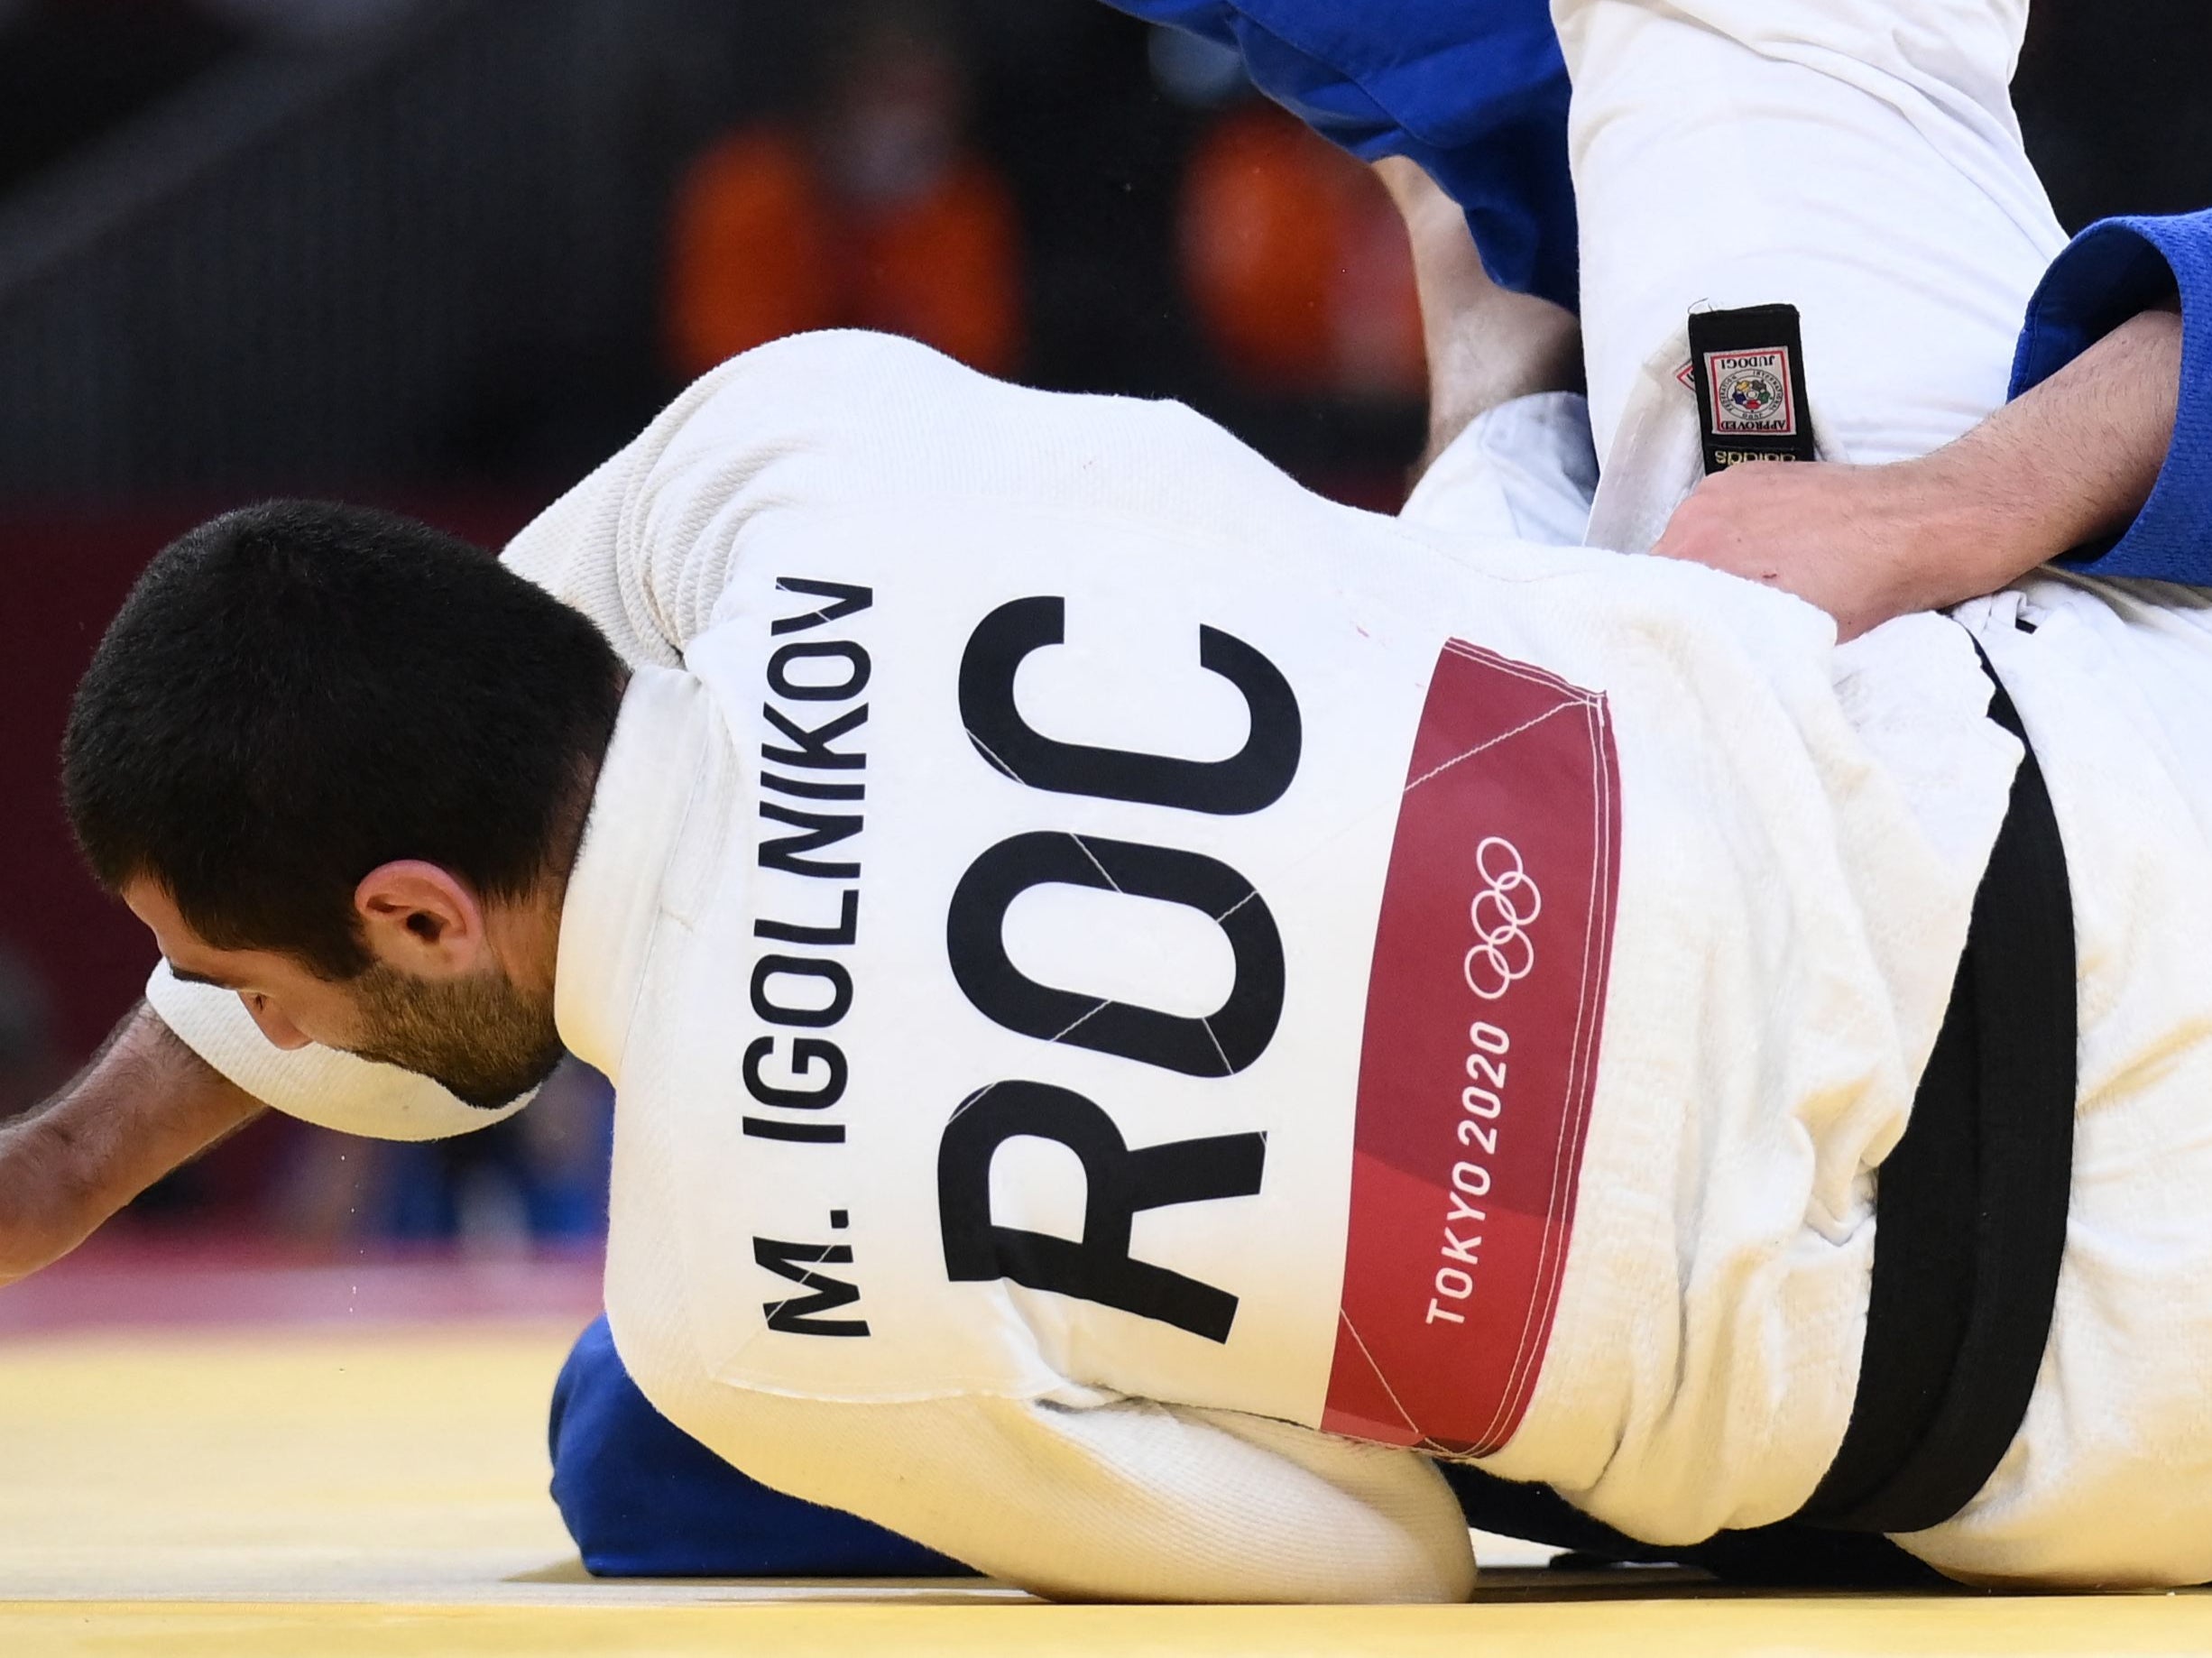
<point x="481" y="1036"/>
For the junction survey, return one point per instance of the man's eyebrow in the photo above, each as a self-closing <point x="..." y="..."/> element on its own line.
<point x="182" y="977"/>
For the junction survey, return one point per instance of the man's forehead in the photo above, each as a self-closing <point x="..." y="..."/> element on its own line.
<point x="150" y="901"/>
<point x="189" y="959"/>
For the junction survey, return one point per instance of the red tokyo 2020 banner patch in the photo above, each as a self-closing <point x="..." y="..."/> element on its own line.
<point x="1479" y="1053"/>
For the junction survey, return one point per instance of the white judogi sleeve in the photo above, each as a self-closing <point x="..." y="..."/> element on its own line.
<point x="316" y="1084"/>
<point x="1859" y="159"/>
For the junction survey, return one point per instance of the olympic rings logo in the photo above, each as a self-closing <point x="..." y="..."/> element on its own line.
<point x="1504" y="954"/>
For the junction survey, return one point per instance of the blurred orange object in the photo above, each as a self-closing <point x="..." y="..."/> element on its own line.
<point x="752" y="255"/>
<point x="763" y="246"/>
<point x="1296" y="263"/>
<point x="945" y="267"/>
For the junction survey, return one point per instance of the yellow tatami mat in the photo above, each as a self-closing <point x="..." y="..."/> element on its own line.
<point x="381" y="1491"/>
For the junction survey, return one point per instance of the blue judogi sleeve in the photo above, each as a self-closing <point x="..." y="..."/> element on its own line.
<point x="1473" y="90"/>
<point x="2111" y="272"/>
<point x="644" y="1499"/>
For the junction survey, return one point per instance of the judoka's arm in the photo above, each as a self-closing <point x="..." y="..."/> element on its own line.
<point x="144" y="1105"/>
<point x="2072" y="460"/>
<point x="1484" y="343"/>
<point x="1127" y="1500"/>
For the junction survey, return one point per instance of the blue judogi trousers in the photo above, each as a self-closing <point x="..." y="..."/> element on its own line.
<point x="644" y="1498"/>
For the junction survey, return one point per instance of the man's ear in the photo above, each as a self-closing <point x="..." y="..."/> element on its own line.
<point x="421" y="919"/>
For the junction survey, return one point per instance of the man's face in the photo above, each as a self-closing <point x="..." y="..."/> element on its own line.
<point x="479" y="1034"/>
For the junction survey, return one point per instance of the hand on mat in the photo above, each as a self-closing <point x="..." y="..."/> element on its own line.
<point x="1864" y="543"/>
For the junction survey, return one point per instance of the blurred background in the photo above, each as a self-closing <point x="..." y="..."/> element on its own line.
<point x="444" y="255"/>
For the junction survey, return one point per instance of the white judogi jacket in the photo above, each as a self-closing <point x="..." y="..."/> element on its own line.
<point x="1137" y="994"/>
<point x="1612" y="906"/>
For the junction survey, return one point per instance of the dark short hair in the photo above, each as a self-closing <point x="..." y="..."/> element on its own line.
<point x="297" y="692"/>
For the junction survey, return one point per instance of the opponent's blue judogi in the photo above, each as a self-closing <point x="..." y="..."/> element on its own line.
<point x="1477" y="93"/>
<point x="644" y="1499"/>
<point x="2108" y="273"/>
<point x="1474" y="90"/>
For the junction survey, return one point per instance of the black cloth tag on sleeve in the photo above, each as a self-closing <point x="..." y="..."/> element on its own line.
<point x="1747" y="368"/>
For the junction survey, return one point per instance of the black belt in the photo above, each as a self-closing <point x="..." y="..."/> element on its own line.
<point x="1971" y="1206"/>
<point x="1972" y="1223"/>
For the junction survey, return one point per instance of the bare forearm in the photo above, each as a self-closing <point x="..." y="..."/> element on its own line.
<point x="144" y="1105"/>
<point x="2074" y="459"/>
<point x="1485" y="345"/>
<point x="2070" y="461"/>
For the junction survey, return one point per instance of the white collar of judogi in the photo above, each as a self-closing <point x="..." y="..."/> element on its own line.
<point x="613" y="900"/>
